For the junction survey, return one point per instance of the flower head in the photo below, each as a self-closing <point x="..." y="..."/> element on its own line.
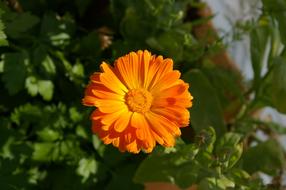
<point x="140" y="102"/>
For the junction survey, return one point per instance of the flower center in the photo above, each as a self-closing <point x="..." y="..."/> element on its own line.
<point x="139" y="100"/>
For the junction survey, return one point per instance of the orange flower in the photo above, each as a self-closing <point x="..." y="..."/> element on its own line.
<point x="140" y="101"/>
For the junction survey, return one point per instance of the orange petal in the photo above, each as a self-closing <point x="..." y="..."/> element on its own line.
<point x="110" y="106"/>
<point x="133" y="147"/>
<point x="95" y="78"/>
<point x="177" y="114"/>
<point x="145" y="68"/>
<point x="139" y="122"/>
<point x="175" y="90"/>
<point x="110" y="118"/>
<point x="172" y="127"/>
<point x="127" y="68"/>
<point x="160" y="130"/>
<point x="158" y="69"/>
<point x="122" y="122"/>
<point x="172" y="101"/>
<point x="165" y="82"/>
<point x="89" y="101"/>
<point x="110" y="80"/>
<point x="108" y="95"/>
<point x="136" y="120"/>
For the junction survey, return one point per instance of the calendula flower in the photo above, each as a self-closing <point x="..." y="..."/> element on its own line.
<point x="140" y="102"/>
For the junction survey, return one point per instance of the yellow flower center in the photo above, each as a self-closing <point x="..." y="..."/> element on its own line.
<point x="139" y="100"/>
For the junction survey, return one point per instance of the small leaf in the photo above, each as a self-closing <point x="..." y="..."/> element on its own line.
<point x="43" y="151"/>
<point x="31" y="84"/>
<point x="78" y="70"/>
<point x="86" y="167"/>
<point x="48" y="134"/>
<point x="49" y="65"/>
<point x="75" y="115"/>
<point x="46" y="89"/>
<point x="229" y="149"/>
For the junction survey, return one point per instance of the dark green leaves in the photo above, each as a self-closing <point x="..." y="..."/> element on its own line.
<point x="169" y="167"/>
<point x="3" y="37"/>
<point x="260" y="38"/>
<point x="229" y="149"/>
<point x="49" y="49"/>
<point x="206" y="110"/>
<point x="57" y="31"/>
<point x="267" y="157"/>
<point x="207" y="163"/>
<point x="278" y="10"/>
<point x="14" y="71"/>
<point x="18" y="24"/>
<point x="278" y="84"/>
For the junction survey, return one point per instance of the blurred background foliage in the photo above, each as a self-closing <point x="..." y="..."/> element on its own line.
<point x="49" y="49"/>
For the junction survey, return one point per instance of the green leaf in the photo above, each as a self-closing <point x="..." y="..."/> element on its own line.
<point x="47" y="134"/>
<point x="31" y="84"/>
<point x="259" y="39"/>
<point x="206" y="139"/>
<point x="132" y="25"/>
<point x="49" y="65"/>
<point x="14" y="71"/>
<point x="170" y="43"/>
<point x="216" y="184"/>
<point x="5" y="132"/>
<point x="206" y="110"/>
<point x="277" y="10"/>
<point x="44" y="151"/>
<point x="169" y="167"/>
<point x="86" y="167"/>
<point x="75" y="115"/>
<point x="278" y="84"/>
<point x="3" y="36"/>
<point x="57" y="30"/>
<point x="229" y="149"/>
<point x="90" y="44"/>
<point x="46" y="89"/>
<point x="78" y="70"/>
<point x="11" y="176"/>
<point x="27" y="112"/>
<point x="19" y="23"/>
<point x="267" y="157"/>
<point x="122" y="177"/>
<point x="228" y="86"/>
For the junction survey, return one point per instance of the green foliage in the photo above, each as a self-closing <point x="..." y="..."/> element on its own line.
<point x="207" y="110"/>
<point x="269" y="164"/>
<point x="3" y="37"/>
<point x="48" y="50"/>
<point x="14" y="63"/>
<point x="200" y="163"/>
<point x="278" y="82"/>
